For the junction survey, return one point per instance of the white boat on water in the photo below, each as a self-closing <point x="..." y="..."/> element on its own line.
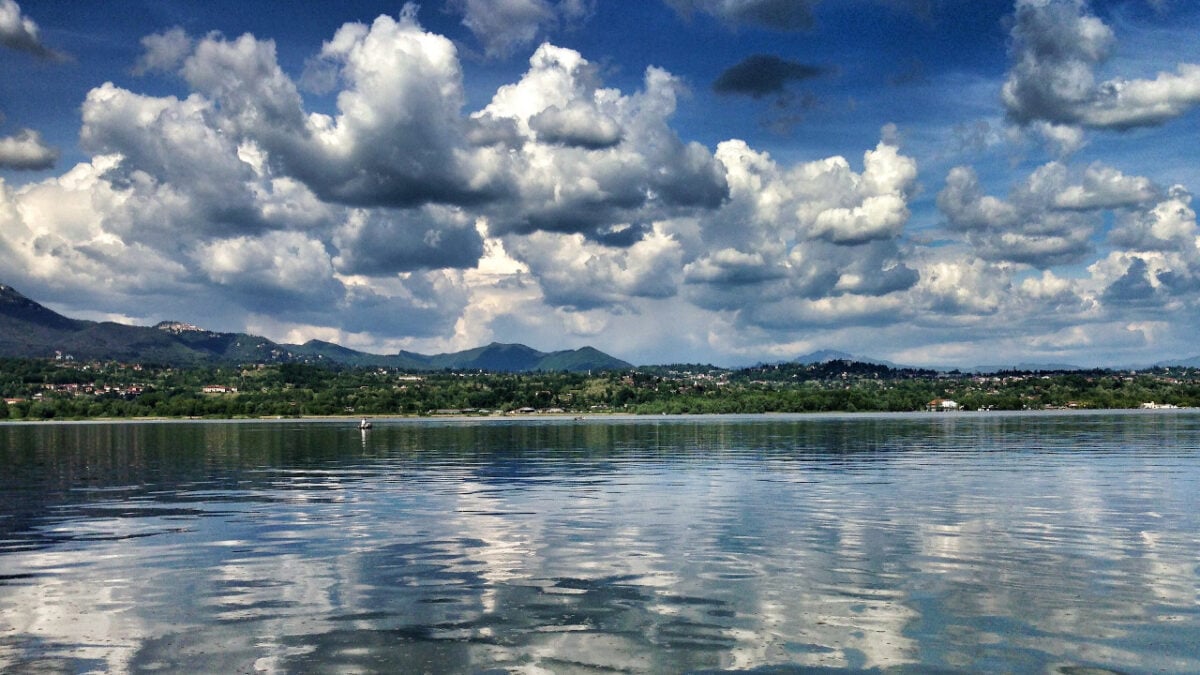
<point x="364" y="424"/>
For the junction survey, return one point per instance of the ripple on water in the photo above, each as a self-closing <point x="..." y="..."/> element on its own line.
<point x="1014" y="544"/>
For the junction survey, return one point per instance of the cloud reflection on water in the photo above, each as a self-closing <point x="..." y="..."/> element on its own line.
<point x="856" y="543"/>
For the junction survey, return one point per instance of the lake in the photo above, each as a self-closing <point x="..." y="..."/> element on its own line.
<point x="1062" y="543"/>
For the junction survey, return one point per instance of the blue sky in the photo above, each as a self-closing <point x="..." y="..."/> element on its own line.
<point x="730" y="181"/>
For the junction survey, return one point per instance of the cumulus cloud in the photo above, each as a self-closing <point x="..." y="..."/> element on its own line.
<point x="1154" y="269"/>
<point x="60" y="232"/>
<point x="579" y="274"/>
<point x="1104" y="187"/>
<point x="387" y="241"/>
<point x="963" y="287"/>
<point x="236" y="191"/>
<point x="563" y="205"/>
<point x="397" y="140"/>
<point x="731" y="267"/>
<point x="591" y="157"/>
<point x="166" y="151"/>
<point x="272" y="272"/>
<point x="791" y="245"/>
<point x="1057" y="47"/>
<point x="114" y="241"/>
<point x="1049" y="219"/>
<point x="881" y="208"/>
<point x="501" y="26"/>
<point x="406" y="306"/>
<point x="836" y="310"/>
<point x="763" y="75"/>
<point x="782" y="15"/>
<point x="811" y="243"/>
<point x="1134" y="287"/>
<point x="21" y="33"/>
<point x="163" y="52"/>
<point x="1169" y="225"/>
<point x="1147" y="283"/>
<point x="26" y="151"/>
<point x="186" y="197"/>
<point x="1062" y="139"/>
<point x="578" y="124"/>
<point x="823" y="199"/>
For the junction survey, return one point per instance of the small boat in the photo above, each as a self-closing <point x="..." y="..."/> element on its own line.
<point x="364" y="424"/>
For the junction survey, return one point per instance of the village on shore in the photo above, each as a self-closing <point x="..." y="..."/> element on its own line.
<point x="62" y="388"/>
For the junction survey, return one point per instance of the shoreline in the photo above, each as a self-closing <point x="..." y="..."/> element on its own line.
<point x="587" y="417"/>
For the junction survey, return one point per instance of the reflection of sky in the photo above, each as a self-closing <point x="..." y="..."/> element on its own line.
<point x="977" y="543"/>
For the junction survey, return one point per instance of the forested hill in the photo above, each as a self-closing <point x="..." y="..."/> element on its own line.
<point x="30" y="330"/>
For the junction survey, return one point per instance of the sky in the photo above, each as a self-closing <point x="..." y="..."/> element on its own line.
<point x="931" y="182"/>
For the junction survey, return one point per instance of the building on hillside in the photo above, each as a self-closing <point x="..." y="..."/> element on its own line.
<point x="941" y="405"/>
<point x="1151" y="405"/>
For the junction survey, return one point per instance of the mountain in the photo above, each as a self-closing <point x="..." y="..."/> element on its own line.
<point x="319" y="351"/>
<point x="826" y="355"/>
<point x="579" y="360"/>
<point x="822" y="356"/>
<point x="17" y="307"/>
<point x="27" y="327"/>
<point x="495" y="357"/>
<point x="1025" y="367"/>
<point x="1193" y="362"/>
<point x="30" y="330"/>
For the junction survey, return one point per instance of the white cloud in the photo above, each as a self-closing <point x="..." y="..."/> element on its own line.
<point x="398" y="139"/>
<point x="26" y="151"/>
<point x="163" y="52"/>
<point x="963" y="201"/>
<point x="1158" y="267"/>
<point x="579" y="124"/>
<point x="59" y="233"/>
<point x="1104" y="187"/>
<point x="502" y="26"/>
<point x="784" y="15"/>
<point x="386" y="241"/>
<point x="278" y="270"/>
<point x="567" y="207"/>
<point x="579" y="274"/>
<point x="166" y="150"/>
<point x="800" y="244"/>
<point x="1049" y="219"/>
<point x="835" y="310"/>
<point x="1169" y="225"/>
<point x="592" y="158"/>
<point x="1057" y="47"/>
<point x="21" y="33"/>
<point x="1063" y="139"/>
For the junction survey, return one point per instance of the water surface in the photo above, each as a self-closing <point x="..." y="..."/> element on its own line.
<point x="909" y="543"/>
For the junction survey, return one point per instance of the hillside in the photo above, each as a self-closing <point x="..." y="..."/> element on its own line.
<point x="30" y="330"/>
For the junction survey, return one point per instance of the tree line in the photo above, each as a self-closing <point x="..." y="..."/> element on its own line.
<point x="47" y="389"/>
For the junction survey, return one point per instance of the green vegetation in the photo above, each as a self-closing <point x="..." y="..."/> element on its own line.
<point x="63" y="389"/>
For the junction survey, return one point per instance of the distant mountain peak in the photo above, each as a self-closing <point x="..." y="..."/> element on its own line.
<point x="10" y="294"/>
<point x="826" y="355"/>
<point x="30" y="330"/>
<point x="21" y="308"/>
<point x="823" y="356"/>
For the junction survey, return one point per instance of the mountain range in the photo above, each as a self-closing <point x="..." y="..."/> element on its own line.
<point x="30" y="330"/>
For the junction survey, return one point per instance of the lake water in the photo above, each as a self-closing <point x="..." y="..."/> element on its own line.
<point x="1061" y="543"/>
